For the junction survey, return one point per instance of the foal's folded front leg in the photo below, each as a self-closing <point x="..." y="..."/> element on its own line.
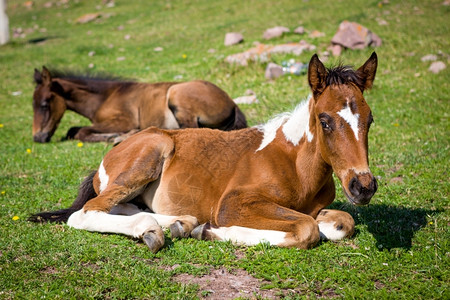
<point x="255" y="219"/>
<point x="335" y="225"/>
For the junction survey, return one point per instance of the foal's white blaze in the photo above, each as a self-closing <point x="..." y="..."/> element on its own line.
<point x="248" y="236"/>
<point x="351" y="118"/>
<point x="295" y="126"/>
<point x="328" y="231"/>
<point x="135" y="225"/>
<point x="104" y="178"/>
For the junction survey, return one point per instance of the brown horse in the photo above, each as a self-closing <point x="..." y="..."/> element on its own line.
<point x="267" y="183"/>
<point x="116" y="107"/>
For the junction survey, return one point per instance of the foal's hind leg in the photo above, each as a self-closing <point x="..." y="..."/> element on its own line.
<point x="123" y="174"/>
<point x="335" y="225"/>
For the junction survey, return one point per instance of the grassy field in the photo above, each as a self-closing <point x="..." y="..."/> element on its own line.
<point x="401" y="245"/>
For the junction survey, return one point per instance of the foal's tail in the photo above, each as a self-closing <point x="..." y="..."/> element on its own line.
<point x="85" y="193"/>
<point x="235" y="121"/>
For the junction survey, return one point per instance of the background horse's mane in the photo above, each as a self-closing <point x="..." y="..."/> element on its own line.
<point x="94" y="82"/>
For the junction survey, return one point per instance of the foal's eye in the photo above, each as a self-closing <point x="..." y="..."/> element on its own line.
<point x="324" y="125"/>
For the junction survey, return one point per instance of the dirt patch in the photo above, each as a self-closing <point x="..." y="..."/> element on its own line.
<point x="222" y="284"/>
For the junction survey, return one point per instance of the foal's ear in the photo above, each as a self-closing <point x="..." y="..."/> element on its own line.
<point x="37" y="76"/>
<point x="367" y="72"/>
<point x="316" y="75"/>
<point x="46" y="76"/>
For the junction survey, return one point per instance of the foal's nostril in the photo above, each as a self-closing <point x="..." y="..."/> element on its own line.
<point x="355" y="186"/>
<point x="374" y="185"/>
<point x="360" y="193"/>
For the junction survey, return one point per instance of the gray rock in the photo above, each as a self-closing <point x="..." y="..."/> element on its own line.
<point x="275" y="32"/>
<point x="273" y="71"/>
<point x="429" y="57"/>
<point x="436" y="67"/>
<point x="355" y="36"/>
<point x="233" y="38"/>
<point x="299" y="30"/>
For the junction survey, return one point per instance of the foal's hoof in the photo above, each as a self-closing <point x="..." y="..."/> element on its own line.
<point x="154" y="240"/>
<point x="199" y="232"/>
<point x="177" y="230"/>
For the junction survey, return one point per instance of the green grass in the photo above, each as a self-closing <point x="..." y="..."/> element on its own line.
<point x="401" y="246"/>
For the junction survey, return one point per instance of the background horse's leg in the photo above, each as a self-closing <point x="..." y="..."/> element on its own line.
<point x="335" y="224"/>
<point x="91" y="134"/>
<point x="251" y="218"/>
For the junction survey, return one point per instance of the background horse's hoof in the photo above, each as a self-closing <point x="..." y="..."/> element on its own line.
<point x="154" y="240"/>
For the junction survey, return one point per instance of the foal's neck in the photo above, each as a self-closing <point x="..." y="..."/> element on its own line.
<point x="86" y="100"/>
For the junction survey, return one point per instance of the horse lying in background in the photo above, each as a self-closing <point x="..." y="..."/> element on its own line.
<point x="117" y="107"/>
<point x="267" y="183"/>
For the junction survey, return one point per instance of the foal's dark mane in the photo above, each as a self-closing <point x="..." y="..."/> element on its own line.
<point x="343" y="75"/>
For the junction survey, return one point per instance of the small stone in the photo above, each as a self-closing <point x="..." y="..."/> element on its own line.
<point x="121" y="58"/>
<point x="233" y="38"/>
<point x="436" y="67"/>
<point x="336" y="50"/>
<point x="275" y="32"/>
<point x="273" y="71"/>
<point x="429" y="57"/>
<point x="158" y="49"/>
<point x="299" y="30"/>
<point x="316" y="34"/>
<point x="91" y="53"/>
<point x="87" y="18"/>
<point x="250" y="99"/>
<point x="127" y="37"/>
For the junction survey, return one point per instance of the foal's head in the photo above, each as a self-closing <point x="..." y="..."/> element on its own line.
<point x="48" y="106"/>
<point x="343" y="119"/>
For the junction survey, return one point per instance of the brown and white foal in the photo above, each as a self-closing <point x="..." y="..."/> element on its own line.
<point x="268" y="183"/>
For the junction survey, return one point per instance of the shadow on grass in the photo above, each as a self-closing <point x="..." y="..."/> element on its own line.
<point x="391" y="226"/>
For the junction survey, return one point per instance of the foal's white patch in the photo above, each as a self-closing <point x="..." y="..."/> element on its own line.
<point x="295" y="126"/>
<point x="328" y="231"/>
<point x="298" y="124"/>
<point x="351" y="119"/>
<point x="248" y="236"/>
<point x="104" y="178"/>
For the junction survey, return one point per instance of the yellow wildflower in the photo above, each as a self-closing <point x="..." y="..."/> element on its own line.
<point x="15" y="218"/>
<point x="80" y="144"/>
<point x="1" y="125"/>
<point x="184" y="56"/>
<point x="28" y="150"/>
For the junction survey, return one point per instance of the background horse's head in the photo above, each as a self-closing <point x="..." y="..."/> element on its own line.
<point x="342" y="119"/>
<point x="48" y="106"/>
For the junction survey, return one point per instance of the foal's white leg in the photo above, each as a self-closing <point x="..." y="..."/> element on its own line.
<point x="140" y="225"/>
<point x="180" y="226"/>
<point x="240" y="235"/>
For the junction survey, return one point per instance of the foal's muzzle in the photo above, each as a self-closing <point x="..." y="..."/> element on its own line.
<point x="42" y="137"/>
<point x="362" y="187"/>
